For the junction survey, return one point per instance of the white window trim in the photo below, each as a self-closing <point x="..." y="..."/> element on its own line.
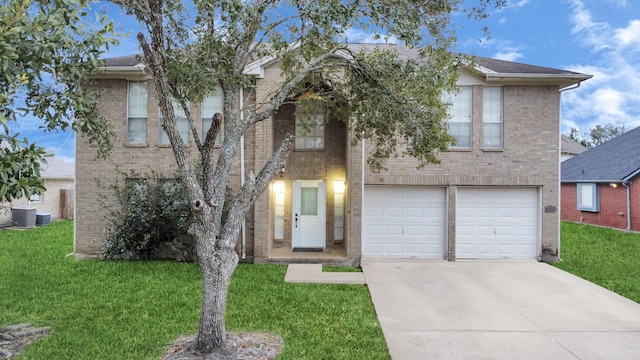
<point x="486" y="121"/>
<point x="208" y="119"/>
<point x="315" y="130"/>
<point x="451" y="99"/>
<point x="129" y="117"/>
<point x="593" y="192"/>
<point x="181" y="120"/>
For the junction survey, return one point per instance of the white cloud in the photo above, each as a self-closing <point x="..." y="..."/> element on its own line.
<point x="629" y="37"/>
<point x="508" y="56"/>
<point x="519" y="3"/>
<point x="354" y="35"/>
<point x="613" y="94"/>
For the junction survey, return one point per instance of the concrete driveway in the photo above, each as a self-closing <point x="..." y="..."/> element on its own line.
<point x="498" y="310"/>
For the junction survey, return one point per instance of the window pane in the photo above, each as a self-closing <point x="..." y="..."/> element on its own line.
<point x="309" y="201"/>
<point x="492" y="135"/>
<point x="182" y="124"/>
<point x="462" y="133"/>
<point x="492" y="117"/>
<point x="211" y="105"/>
<point x="137" y="113"/>
<point x="586" y="198"/>
<point x="309" y="128"/>
<point x="137" y="131"/>
<point x="137" y="99"/>
<point x="460" y="116"/>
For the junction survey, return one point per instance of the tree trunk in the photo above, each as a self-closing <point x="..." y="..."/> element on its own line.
<point x="217" y="269"/>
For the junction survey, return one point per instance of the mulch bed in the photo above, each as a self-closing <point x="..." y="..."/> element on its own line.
<point x="14" y="338"/>
<point x="239" y="346"/>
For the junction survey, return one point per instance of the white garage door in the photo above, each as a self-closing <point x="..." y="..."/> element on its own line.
<point x="403" y="222"/>
<point x="497" y="223"/>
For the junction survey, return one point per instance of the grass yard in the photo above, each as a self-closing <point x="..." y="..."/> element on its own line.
<point x="133" y="310"/>
<point x="607" y="257"/>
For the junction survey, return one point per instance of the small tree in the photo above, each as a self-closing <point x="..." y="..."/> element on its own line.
<point x="193" y="47"/>
<point x="597" y="135"/>
<point x="46" y="50"/>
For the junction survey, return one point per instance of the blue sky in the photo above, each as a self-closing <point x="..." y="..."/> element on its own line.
<point x="596" y="37"/>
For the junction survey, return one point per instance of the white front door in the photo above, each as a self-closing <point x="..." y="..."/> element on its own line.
<point x="309" y="213"/>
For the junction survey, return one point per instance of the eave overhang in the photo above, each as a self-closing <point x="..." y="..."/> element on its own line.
<point x="136" y="72"/>
<point x="562" y="80"/>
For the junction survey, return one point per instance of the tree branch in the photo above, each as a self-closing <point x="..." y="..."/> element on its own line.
<point x="285" y="91"/>
<point x="252" y="188"/>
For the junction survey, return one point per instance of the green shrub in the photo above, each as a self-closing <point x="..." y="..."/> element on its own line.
<point x="149" y="221"/>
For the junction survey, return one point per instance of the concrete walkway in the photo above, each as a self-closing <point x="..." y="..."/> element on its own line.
<point x="498" y="310"/>
<point x="312" y="273"/>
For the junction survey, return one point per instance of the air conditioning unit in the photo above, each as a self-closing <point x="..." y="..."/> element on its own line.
<point x="43" y="218"/>
<point x="23" y="217"/>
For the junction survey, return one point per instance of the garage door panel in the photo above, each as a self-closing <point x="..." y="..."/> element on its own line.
<point x="413" y="223"/>
<point x="374" y="229"/>
<point x="497" y="223"/>
<point x="394" y="212"/>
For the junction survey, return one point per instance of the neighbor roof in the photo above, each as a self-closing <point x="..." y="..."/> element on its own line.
<point x="490" y="70"/>
<point x="569" y="146"/>
<point x="57" y="169"/>
<point x="616" y="160"/>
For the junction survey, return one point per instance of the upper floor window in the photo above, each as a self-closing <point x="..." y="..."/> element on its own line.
<point x="492" y="117"/>
<point x="460" y="116"/>
<point x="211" y="105"/>
<point x="182" y="125"/>
<point x="137" y="113"/>
<point x="588" y="197"/>
<point x="309" y="126"/>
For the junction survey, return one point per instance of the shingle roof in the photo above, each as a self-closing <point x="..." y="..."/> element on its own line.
<point x="127" y="60"/>
<point x="58" y="169"/>
<point x="616" y="160"/>
<point x="568" y="146"/>
<point x="495" y="65"/>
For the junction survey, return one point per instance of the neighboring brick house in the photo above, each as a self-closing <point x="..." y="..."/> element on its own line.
<point x="601" y="186"/>
<point x="494" y="195"/>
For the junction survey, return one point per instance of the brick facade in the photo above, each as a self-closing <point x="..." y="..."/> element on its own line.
<point x="613" y="206"/>
<point x="529" y="159"/>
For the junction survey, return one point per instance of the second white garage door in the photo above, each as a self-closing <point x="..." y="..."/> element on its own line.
<point x="404" y="222"/>
<point x="497" y="223"/>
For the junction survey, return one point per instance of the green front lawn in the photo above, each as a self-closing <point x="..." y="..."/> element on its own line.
<point x="607" y="257"/>
<point x="133" y="310"/>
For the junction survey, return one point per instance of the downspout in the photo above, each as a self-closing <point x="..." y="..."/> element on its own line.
<point x="627" y="185"/>
<point x="361" y="201"/>
<point x="559" y="164"/>
<point x="244" y="220"/>
<point x="560" y="147"/>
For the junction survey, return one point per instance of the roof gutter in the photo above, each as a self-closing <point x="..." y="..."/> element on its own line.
<point x="136" y="72"/>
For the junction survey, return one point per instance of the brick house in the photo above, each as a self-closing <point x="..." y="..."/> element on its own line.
<point x="601" y="187"/>
<point x="494" y="195"/>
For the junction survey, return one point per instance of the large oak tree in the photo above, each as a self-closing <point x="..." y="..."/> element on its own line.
<point x="47" y="48"/>
<point x="395" y="103"/>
